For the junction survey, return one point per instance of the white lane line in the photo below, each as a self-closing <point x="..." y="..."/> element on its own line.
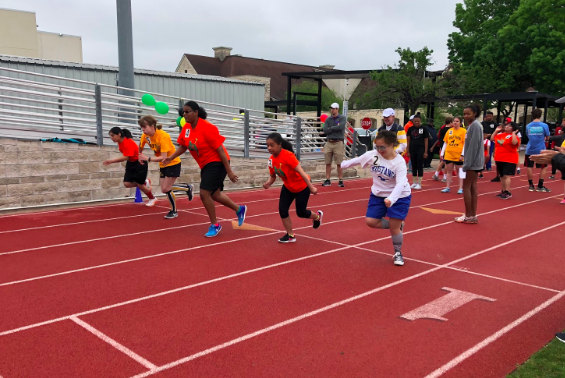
<point x="192" y="248"/>
<point x="330" y="307"/>
<point x="468" y="353"/>
<point x="114" y="343"/>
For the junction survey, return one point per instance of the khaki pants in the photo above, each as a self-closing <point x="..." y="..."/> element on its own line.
<point x="335" y="151"/>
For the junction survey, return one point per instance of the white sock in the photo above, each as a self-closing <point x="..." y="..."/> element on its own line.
<point x="437" y="173"/>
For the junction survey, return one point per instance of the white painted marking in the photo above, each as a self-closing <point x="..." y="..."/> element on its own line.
<point x="437" y="308"/>
<point x="468" y="353"/>
<point x="114" y="343"/>
<point x="33" y="213"/>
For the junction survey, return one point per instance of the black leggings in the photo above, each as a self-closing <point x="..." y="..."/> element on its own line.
<point x="417" y="164"/>
<point x="286" y="199"/>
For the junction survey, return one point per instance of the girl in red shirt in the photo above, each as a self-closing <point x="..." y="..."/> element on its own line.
<point x="136" y="172"/>
<point x="296" y="184"/>
<point x="506" y="155"/>
<point x="205" y="144"/>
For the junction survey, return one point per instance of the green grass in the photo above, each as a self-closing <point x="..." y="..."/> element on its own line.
<point x="548" y="362"/>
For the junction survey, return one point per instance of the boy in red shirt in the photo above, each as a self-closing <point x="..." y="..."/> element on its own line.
<point x="506" y="155"/>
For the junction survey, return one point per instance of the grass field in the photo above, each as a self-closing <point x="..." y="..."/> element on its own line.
<point x="548" y="362"/>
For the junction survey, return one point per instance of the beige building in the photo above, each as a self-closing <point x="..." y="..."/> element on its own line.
<point x="19" y="37"/>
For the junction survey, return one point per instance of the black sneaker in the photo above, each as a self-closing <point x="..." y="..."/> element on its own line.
<point x="398" y="260"/>
<point x="318" y="222"/>
<point x="506" y="195"/>
<point x="543" y="190"/>
<point x="171" y="214"/>
<point x="532" y="188"/>
<point x="481" y="175"/>
<point x="189" y="193"/>
<point x="501" y="193"/>
<point x="560" y="337"/>
<point x="340" y="184"/>
<point x="287" y="239"/>
<point x="496" y="179"/>
<point x="327" y="183"/>
<point x="553" y="178"/>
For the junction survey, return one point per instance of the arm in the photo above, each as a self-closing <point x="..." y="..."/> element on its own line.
<point x="514" y="138"/>
<point x="270" y="181"/>
<point x="115" y="160"/>
<point x="472" y="145"/>
<point x="402" y="143"/>
<point x="558" y="161"/>
<point x="426" y="147"/>
<point x="408" y="146"/>
<point x="181" y="150"/>
<point x="401" y="185"/>
<point x="363" y="160"/>
<point x="341" y="126"/>
<point x="326" y="129"/>
<point x="225" y="161"/>
<point x="304" y="176"/>
<point x="493" y="136"/>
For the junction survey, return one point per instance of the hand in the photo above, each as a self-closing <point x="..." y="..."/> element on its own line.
<point x="461" y="158"/>
<point x="166" y="161"/>
<point x="388" y="203"/>
<point x="143" y="157"/>
<point x="425" y="155"/>
<point x="266" y="185"/>
<point x="515" y="132"/>
<point x="545" y="156"/>
<point x="233" y="177"/>
<point x="432" y="149"/>
<point x="313" y="190"/>
<point x="498" y="129"/>
<point x="107" y="162"/>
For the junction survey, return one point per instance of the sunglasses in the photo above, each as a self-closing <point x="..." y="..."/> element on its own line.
<point x="380" y="148"/>
<point x="187" y="111"/>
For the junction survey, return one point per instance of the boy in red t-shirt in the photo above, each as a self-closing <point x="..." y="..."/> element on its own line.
<point x="296" y="184"/>
<point x="506" y="155"/>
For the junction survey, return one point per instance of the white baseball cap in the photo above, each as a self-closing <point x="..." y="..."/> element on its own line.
<point x="388" y="112"/>
<point x="412" y="117"/>
<point x="335" y="105"/>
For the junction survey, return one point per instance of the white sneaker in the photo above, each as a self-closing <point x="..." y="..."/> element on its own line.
<point x="413" y="186"/>
<point x="418" y="187"/>
<point x="151" y="202"/>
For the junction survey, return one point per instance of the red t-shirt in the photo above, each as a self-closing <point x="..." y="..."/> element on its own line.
<point x="202" y="142"/>
<point x="505" y="151"/>
<point x="129" y="148"/>
<point x="283" y="166"/>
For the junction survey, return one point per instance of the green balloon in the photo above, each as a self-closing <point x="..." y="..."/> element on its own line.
<point x="162" y="108"/>
<point x="148" y="100"/>
<point x="178" y="122"/>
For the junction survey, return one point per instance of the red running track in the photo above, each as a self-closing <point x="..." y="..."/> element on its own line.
<point x="117" y="290"/>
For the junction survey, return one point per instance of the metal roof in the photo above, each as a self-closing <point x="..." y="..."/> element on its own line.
<point x="85" y="66"/>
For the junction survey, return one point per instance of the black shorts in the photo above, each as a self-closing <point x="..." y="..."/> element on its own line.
<point x="212" y="176"/>
<point x="136" y="172"/>
<point x="505" y="169"/>
<point x="454" y="162"/>
<point x="530" y="164"/>
<point x="170" y="171"/>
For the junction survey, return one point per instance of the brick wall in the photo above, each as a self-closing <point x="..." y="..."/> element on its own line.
<point x="43" y="173"/>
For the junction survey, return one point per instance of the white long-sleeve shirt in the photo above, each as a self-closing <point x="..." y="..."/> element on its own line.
<point x="389" y="176"/>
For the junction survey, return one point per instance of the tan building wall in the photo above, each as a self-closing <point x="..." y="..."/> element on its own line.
<point x="19" y="37"/>
<point x="185" y="66"/>
<point x="257" y="79"/>
<point x="41" y="173"/>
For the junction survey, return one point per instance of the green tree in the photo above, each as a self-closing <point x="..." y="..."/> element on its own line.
<point x="407" y="83"/>
<point x="328" y="96"/>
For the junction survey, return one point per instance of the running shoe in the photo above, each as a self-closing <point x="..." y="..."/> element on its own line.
<point x="496" y="179"/>
<point x="340" y="184"/>
<point x="318" y="222"/>
<point x="532" y="188"/>
<point x="460" y="191"/>
<point x="543" y="190"/>
<point x="327" y="183"/>
<point x="506" y="195"/>
<point x="213" y="231"/>
<point x="241" y="215"/>
<point x="518" y="171"/>
<point x="501" y="193"/>
<point x="467" y="220"/>
<point x="418" y="187"/>
<point x="398" y="260"/>
<point x="552" y="177"/>
<point x="287" y="239"/>
<point x="444" y="179"/>
<point x="171" y="214"/>
<point x="413" y="185"/>
<point x="560" y="337"/>
<point x="481" y="175"/>
<point x="151" y="202"/>
<point x="562" y="201"/>
<point x="435" y="178"/>
<point x="190" y="192"/>
<point x="446" y="190"/>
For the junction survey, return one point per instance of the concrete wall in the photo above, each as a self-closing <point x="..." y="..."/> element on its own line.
<point x="18" y="33"/>
<point x="54" y="46"/>
<point x="42" y="173"/>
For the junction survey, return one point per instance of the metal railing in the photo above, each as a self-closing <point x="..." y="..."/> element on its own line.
<point x="36" y="106"/>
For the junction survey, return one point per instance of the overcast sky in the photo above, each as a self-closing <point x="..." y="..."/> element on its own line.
<point x="352" y="35"/>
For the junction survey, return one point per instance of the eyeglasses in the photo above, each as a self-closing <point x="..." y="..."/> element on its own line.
<point x="380" y="148"/>
<point x="187" y="111"/>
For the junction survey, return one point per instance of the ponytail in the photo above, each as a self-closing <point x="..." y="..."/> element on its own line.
<point x="278" y="139"/>
<point x="194" y="106"/>
<point x="159" y="126"/>
<point x="125" y="133"/>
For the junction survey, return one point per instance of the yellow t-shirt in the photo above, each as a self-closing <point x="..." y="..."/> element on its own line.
<point x="455" y="140"/>
<point x="160" y="142"/>
<point x="563" y="144"/>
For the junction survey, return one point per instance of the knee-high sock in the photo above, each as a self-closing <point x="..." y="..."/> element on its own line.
<point x="385" y="224"/>
<point x="180" y="187"/>
<point x="172" y="200"/>
<point x="397" y="242"/>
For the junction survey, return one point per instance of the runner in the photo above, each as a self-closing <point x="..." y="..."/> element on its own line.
<point x="160" y="142"/>
<point x="454" y="142"/>
<point x="390" y="193"/>
<point x="296" y="184"/>
<point x="206" y="147"/>
<point x="538" y="134"/>
<point x="136" y="172"/>
<point x="417" y="138"/>
<point x="506" y="155"/>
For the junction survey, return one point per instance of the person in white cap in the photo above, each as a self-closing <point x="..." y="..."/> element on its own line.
<point x="334" y="149"/>
<point x="390" y="125"/>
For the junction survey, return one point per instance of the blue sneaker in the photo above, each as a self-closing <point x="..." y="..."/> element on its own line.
<point x="446" y="190"/>
<point x="213" y="231"/>
<point x="460" y="191"/>
<point x="241" y="215"/>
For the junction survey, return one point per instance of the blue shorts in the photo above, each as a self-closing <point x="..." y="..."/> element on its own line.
<point x="378" y="210"/>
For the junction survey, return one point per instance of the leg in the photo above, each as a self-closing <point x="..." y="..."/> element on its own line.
<point x="397" y="240"/>
<point x="328" y="157"/>
<point x="285" y="200"/>
<point x="220" y="197"/>
<point x="420" y="167"/>
<point x="467" y="196"/>
<point x="382" y="223"/>
<point x="542" y="176"/>
<point x="166" y="183"/>
<point x="505" y="180"/>
<point x="302" y="205"/>
<point x="339" y="172"/>
<point x="339" y="153"/>
<point x="449" y="170"/>
<point x="472" y="177"/>
<point x="206" y="197"/>
<point x="287" y="223"/>
<point x="328" y="171"/>
<point x="530" y="174"/>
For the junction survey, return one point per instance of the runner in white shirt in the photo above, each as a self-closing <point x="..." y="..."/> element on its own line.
<point x="390" y="193"/>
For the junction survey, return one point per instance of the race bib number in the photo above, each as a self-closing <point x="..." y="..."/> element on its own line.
<point x="450" y="132"/>
<point x="148" y="140"/>
<point x="421" y="131"/>
<point x="187" y="133"/>
<point x="270" y="163"/>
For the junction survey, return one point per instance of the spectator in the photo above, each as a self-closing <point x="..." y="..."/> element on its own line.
<point x="334" y="128"/>
<point x="506" y="155"/>
<point x="488" y="129"/>
<point x="538" y="134"/>
<point x="431" y="142"/>
<point x="390" y="125"/>
<point x="417" y="150"/>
